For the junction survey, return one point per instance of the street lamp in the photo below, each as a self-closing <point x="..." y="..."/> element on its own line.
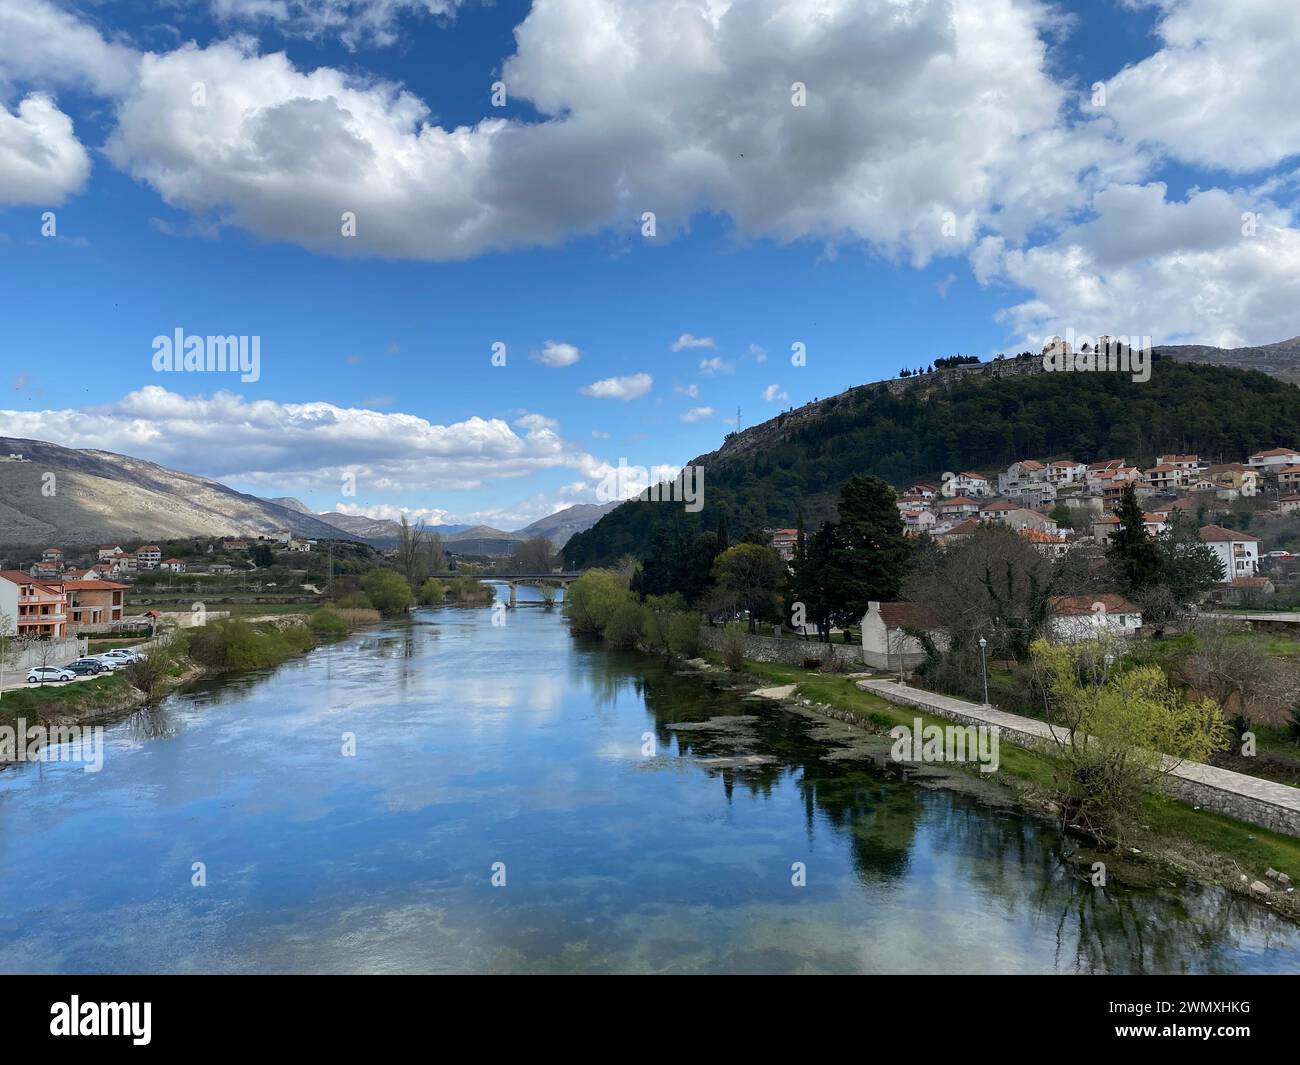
<point x="984" y="666"/>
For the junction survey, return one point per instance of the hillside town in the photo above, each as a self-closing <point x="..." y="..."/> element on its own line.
<point x="1061" y="505"/>
<point x="71" y="592"/>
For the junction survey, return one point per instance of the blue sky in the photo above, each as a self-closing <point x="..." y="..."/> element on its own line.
<point x="776" y="224"/>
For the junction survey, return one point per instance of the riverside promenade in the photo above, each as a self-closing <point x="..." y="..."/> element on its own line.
<point x="1258" y="802"/>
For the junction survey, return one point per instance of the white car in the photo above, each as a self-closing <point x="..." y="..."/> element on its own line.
<point x="112" y="662"/>
<point x="44" y="674"/>
<point x="125" y="654"/>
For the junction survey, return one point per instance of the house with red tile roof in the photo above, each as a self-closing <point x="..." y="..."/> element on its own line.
<point x="1237" y="552"/>
<point x="33" y="607"/>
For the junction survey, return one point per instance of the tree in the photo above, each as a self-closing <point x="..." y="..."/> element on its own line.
<point x="534" y="556"/>
<point x="624" y="625"/>
<point x="1132" y="550"/>
<point x="1188" y="566"/>
<point x="1233" y="666"/>
<point x="869" y="555"/>
<point x="723" y="544"/>
<point x="432" y="592"/>
<point x="800" y="539"/>
<point x="750" y="577"/>
<point x="435" y="556"/>
<point x="389" y="592"/>
<point x="413" y="555"/>
<point x="813" y="583"/>
<point x="992" y="584"/>
<point x="262" y="557"/>
<point x="592" y="599"/>
<point x="1115" y="726"/>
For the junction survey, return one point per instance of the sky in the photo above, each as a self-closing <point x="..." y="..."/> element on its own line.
<point x="660" y="216"/>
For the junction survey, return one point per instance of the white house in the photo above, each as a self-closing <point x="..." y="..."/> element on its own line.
<point x="972" y="484"/>
<point x="884" y="643"/>
<point x="958" y="507"/>
<point x="1274" y="459"/>
<point x="1019" y="474"/>
<point x="1237" y="551"/>
<point x="1066" y="471"/>
<point x="1081" y="617"/>
<point x="148" y="557"/>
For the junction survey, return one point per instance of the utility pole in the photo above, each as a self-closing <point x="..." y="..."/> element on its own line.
<point x="737" y="419"/>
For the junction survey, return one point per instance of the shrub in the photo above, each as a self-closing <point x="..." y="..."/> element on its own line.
<point x="432" y="592"/>
<point x="592" y="600"/>
<point x="327" y="622"/>
<point x="684" y="634"/>
<point x="354" y="601"/>
<point x="623" y="628"/>
<point x="147" y="674"/>
<point x="733" y="650"/>
<point x="388" y="591"/>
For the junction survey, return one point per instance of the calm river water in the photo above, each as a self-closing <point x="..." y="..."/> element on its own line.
<point x="518" y="744"/>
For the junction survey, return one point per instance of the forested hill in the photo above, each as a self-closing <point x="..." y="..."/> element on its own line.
<point x="978" y="423"/>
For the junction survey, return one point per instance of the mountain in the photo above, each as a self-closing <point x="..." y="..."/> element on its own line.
<point x="61" y="496"/>
<point x="291" y="503"/>
<point x="563" y="524"/>
<point x="96" y="496"/>
<point x="978" y="418"/>
<point x="1280" y="360"/>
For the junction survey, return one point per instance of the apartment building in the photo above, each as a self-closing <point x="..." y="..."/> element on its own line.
<point x="33" y="607"/>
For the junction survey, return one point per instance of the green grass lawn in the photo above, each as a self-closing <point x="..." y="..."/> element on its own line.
<point x="73" y="697"/>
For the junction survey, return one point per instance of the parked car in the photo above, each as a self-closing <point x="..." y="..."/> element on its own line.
<point x="125" y="654"/>
<point x="47" y="674"/>
<point x="111" y="663"/>
<point x="87" y="667"/>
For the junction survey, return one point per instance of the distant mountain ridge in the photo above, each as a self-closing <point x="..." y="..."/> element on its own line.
<point x="1280" y="360"/>
<point x="98" y="496"/>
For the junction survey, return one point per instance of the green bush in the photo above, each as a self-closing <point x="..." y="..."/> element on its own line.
<point x="235" y="644"/>
<point x="624" y="625"/>
<point x="354" y="601"/>
<point x="327" y="622"/>
<point x="684" y="634"/>
<point x="432" y="592"/>
<point x="388" y="591"/>
<point x="592" y="600"/>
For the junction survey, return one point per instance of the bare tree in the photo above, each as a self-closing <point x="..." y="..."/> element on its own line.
<point x="413" y="552"/>
<point x="1233" y="666"/>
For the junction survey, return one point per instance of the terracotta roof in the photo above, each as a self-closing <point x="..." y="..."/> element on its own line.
<point x="1066" y="463"/>
<point x="1158" y="517"/>
<point x="964" y="528"/>
<point x="1077" y="605"/>
<point x="1275" y="452"/>
<point x="914" y="615"/>
<point x="1251" y="582"/>
<point x="1031" y="464"/>
<point x="976" y="476"/>
<point x="1037" y="536"/>
<point x="94" y="585"/>
<point x="1290" y="469"/>
<point x="1000" y="504"/>
<point x="1109" y="519"/>
<point x="1212" y="533"/>
<point x="956" y="501"/>
<point x="1290" y="499"/>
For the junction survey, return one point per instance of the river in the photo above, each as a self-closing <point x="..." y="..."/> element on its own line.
<point x="518" y="753"/>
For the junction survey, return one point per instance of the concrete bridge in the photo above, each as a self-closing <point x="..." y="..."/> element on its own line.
<point x="516" y="579"/>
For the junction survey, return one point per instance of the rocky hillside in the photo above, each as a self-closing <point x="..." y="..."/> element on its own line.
<point x="1280" y="360"/>
<point x="58" y="495"/>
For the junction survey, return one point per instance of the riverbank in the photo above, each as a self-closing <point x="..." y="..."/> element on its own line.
<point x="1172" y="840"/>
<point x="218" y="648"/>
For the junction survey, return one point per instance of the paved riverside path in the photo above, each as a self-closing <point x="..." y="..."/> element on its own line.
<point x="1260" y="802"/>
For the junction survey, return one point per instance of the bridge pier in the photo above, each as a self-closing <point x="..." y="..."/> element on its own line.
<point x="513" y="586"/>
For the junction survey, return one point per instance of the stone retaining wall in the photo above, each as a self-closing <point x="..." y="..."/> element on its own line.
<point x="786" y="652"/>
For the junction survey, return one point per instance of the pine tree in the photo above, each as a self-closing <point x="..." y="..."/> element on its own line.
<point x="1133" y="550"/>
<point x="800" y="540"/>
<point x="723" y="542"/>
